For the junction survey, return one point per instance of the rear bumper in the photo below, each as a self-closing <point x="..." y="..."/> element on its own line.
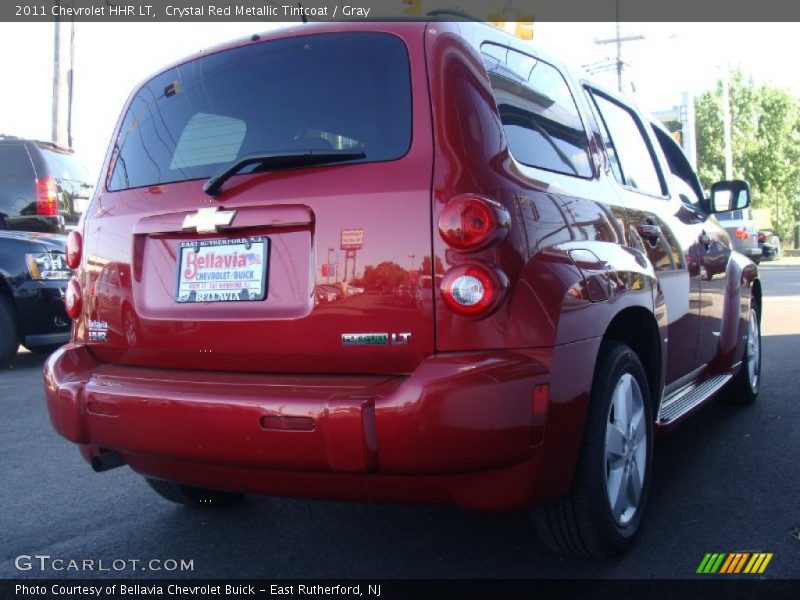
<point x="769" y="251"/>
<point x="752" y="252"/>
<point x="490" y="430"/>
<point x="42" y="313"/>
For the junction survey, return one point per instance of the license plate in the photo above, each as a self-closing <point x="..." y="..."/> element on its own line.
<point x="222" y="270"/>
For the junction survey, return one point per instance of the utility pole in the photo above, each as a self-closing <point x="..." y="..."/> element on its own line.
<point x="726" y="127"/>
<point x="688" y="128"/>
<point x="618" y="40"/>
<point x="619" y="47"/>
<point x="70" y="80"/>
<point x="62" y="85"/>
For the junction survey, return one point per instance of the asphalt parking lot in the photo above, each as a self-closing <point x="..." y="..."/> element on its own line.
<point x="725" y="481"/>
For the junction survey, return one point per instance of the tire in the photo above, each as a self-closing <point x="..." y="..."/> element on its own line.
<point x="743" y="388"/>
<point x="583" y="523"/>
<point x="193" y="496"/>
<point x="9" y="332"/>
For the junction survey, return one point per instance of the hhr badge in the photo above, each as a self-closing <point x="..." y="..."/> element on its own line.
<point x="375" y="339"/>
<point x="206" y="220"/>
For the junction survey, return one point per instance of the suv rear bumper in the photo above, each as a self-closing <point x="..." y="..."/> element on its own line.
<point x="485" y="430"/>
<point x="42" y="314"/>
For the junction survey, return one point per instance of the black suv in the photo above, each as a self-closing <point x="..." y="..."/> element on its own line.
<point x="43" y="187"/>
<point x="33" y="280"/>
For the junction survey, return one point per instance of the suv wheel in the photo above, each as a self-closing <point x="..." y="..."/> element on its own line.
<point x="192" y="496"/>
<point x="9" y="334"/>
<point x="604" y="508"/>
<point x="743" y="389"/>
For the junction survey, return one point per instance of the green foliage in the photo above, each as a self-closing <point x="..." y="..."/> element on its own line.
<point x="387" y="275"/>
<point x="765" y="140"/>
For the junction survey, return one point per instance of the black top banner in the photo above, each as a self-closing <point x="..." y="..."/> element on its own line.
<point x="358" y="10"/>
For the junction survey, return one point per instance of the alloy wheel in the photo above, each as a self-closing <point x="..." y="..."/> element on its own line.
<point x="753" y="352"/>
<point x="625" y="449"/>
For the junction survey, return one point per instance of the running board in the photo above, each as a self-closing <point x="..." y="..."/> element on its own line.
<point x="685" y="399"/>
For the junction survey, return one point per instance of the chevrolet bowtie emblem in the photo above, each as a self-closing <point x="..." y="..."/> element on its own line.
<point x="206" y="220"/>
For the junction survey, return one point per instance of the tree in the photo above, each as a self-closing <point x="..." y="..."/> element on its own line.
<point x="387" y="275"/>
<point x="765" y="143"/>
<point x="425" y="268"/>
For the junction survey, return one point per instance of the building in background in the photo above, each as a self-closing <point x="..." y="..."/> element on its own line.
<point x="680" y="121"/>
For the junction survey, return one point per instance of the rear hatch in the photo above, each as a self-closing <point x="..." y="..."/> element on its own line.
<point x="741" y="228"/>
<point x="297" y="265"/>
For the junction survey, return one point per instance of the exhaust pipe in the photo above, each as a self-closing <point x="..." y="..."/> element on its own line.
<point x="105" y="461"/>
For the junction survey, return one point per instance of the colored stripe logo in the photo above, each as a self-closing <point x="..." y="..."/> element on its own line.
<point x="731" y="563"/>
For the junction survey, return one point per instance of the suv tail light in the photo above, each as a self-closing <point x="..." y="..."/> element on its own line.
<point x="473" y="289"/>
<point x="74" y="249"/>
<point x="46" y="197"/>
<point x="72" y="299"/>
<point x="468" y="223"/>
<point x="741" y="233"/>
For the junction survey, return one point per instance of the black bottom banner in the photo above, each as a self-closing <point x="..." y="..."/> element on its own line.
<point x="70" y="589"/>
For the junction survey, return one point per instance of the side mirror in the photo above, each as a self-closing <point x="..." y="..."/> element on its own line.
<point x="730" y="195"/>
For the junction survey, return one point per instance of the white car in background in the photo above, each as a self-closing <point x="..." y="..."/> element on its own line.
<point x="743" y="231"/>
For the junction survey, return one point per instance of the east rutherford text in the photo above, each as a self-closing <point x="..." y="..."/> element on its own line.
<point x="267" y="11"/>
<point x="322" y="590"/>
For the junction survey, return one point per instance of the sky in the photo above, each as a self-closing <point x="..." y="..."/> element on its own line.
<point x="112" y="58"/>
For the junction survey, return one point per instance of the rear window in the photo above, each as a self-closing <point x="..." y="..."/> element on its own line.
<point x="63" y="165"/>
<point x="731" y="215"/>
<point x="14" y="162"/>
<point x="341" y="91"/>
<point x="539" y="115"/>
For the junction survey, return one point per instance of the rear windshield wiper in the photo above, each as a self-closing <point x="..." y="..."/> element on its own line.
<point x="279" y="160"/>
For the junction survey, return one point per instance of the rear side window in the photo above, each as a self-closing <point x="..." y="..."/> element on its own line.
<point x="14" y="162"/>
<point x="539" y="115"/>
<point x="684" y="179"/>
<point x="732" y="215"/>
<point x="318" y="92"/>
<point x="63" y="165"/>
<point x="629" y="147"/>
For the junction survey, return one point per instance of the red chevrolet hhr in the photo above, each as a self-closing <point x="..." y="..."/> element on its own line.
<point x="405" y="261"/>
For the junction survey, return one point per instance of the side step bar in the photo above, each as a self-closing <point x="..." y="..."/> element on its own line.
<point x="685" y="399"/>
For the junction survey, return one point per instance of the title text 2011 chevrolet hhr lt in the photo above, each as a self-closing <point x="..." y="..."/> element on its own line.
<point x="399" y="262"/>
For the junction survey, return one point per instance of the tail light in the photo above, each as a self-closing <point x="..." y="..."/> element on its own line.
<point x="761" y="237"/>
<point x="72" y="298"/>
<point x="741" y="233"/>
<point x="46" y="197"/>
<point x="473" y="289"/>
<point x="470" y="223"/>
<point x="74" y="249"/>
